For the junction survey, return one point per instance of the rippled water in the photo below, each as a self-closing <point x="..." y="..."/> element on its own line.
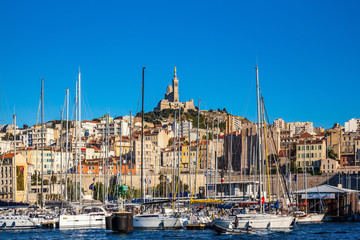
<point x="309" y="231"/>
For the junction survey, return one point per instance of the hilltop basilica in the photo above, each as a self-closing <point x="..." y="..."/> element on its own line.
<point x="171" y="100"/>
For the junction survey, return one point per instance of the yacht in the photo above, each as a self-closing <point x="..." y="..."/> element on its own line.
<point x="88" y="217"/>
<point x="156" y="221"/>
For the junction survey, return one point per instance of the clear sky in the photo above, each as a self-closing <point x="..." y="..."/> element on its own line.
<point x="307" y="52"/>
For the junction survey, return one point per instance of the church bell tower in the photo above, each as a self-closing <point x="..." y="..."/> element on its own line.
<point x="176" y="87"/>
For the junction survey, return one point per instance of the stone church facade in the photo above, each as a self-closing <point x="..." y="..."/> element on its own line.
<point x="171" y="100"/>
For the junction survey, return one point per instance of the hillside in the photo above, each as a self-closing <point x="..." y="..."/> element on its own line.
<point x="167" y="115"/>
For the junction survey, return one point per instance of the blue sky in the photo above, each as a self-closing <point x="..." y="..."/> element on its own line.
<point x="307" y="52"/>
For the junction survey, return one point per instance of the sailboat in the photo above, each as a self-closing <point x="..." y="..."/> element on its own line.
<point x="81" y="216"/>
<point x="257" y="220"/>
<point x="153" y="220"/>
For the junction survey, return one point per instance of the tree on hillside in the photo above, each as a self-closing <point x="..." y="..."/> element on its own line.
<point x="332" y="154"/>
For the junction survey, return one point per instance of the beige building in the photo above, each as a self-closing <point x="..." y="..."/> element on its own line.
<point x="296" y="128"/>
<point x="32" y="136"/>
<point x="151" y="156"/>
<point x="188" y="157"/>
<point x="233" y="123"/>
<point x="158" y="138"/>
<point x="52" y="159"/>
<point x="92" y="153"/>
<point x="7" y="188"/>
<point x="310" y="152"/>
<point x="279" y="123"/>
<point x="329" y="165"/>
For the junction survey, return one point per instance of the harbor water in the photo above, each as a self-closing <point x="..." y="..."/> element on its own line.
<point x="307" y="231"/>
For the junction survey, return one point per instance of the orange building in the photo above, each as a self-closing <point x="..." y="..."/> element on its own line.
<point x="93" y="166"/>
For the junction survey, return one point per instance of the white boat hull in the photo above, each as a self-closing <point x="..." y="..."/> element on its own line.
<point x="310" y="218"/>
<point x="156" y="222"/>
<point x="265" y="221"/>
<point x="18" y="222"/>
<point x="82" y="221"/>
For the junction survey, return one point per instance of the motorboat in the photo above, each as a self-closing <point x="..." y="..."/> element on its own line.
<point x="302" y="217"/>
<point x="88" y="217"/>
<point x="156" y="221"/>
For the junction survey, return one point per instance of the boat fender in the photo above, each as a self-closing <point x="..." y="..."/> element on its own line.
<point x="161" y="225"/>
<point x="249" y="228"/>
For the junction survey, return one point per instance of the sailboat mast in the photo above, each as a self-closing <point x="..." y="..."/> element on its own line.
<point x="120" y="161"/>
<point x="207" y="161"/>
<point x="179" y="162"/>
<point x="174" y="161"/>
<point x="76" y="142"/>
<point x="42" y="142"/>
<point x="14" y="163"/>
<point x="37" y="156"/>
<point x="258" y="136"/>
<point x="189" y="162"/>
<point x="131" y="159"/>
<point x="103" y="147"/>
<point x="197" y="147"/>
<point x="142" y="139"/>
<point x="230" y="160"/>
<point x="61" y="155"/>
<point x="212" y="157"/>
<point x="80" y="133"/>
<point x="216" y="157"/>
<point x="107" y="156"/>
<point x="67" y="142"/>
<point x="304" y="169"/>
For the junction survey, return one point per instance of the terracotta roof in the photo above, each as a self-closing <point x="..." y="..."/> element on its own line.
<point x="9" y="155"/>
<point x="87" y="121"/>
<point x="305" y="135"/>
